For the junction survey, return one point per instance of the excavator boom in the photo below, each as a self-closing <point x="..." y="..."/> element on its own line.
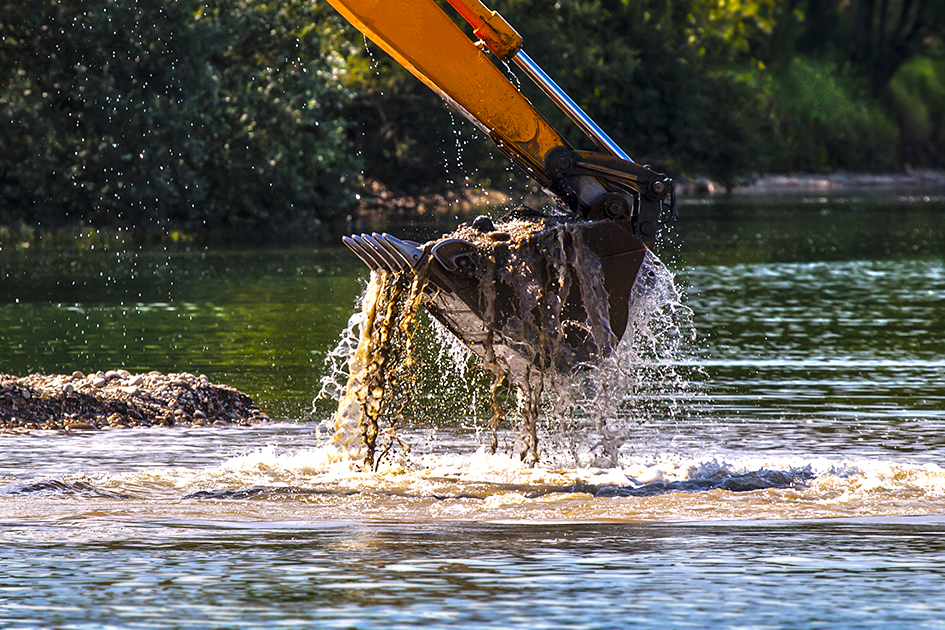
<point x="425" y="41"/>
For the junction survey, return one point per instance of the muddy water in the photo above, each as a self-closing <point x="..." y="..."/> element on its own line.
<point x="792" y="476"/>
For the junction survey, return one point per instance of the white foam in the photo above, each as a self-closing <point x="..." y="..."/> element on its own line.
<point x="469" y="482"/>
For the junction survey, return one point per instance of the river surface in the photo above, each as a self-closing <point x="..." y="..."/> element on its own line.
<point x="790" y="474"/>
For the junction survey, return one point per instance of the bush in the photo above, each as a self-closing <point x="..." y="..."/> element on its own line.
<point x="824" y="120"/>
<point x="918" y="97"/>
<point x="215" y="115"/>
<point x="652" y="77"/>
<point x="636" y="67"/>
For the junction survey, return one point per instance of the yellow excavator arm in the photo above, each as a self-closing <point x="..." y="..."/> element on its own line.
<point x="423" y="39"/>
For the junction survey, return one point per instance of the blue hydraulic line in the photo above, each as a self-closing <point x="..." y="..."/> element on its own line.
<point x="568" y="106"/>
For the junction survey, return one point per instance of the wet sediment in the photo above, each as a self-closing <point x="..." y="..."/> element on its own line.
<point x="380" y="370"/>
<point x="527" y="301"/>
<point x="117" y="398"/>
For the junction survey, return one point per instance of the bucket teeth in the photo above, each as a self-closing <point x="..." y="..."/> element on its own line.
<point x="406" y="251"/>
<point x="383" y="252"/>
<point x="366" y="252"/>
<point x="388" y="261"/>
<point x="355" y="247"/>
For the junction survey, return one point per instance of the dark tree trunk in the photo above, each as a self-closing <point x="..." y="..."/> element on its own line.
<point x="887" y="33"/>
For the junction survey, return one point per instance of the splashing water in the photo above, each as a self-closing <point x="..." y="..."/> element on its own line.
<point x="641" y="380"/>
<point x="377" y="373"/>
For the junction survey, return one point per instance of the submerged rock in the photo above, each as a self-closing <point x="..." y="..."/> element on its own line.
<point x="118" y="398"/>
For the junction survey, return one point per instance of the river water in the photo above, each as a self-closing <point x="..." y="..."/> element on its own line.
<point x="791" y="474"/>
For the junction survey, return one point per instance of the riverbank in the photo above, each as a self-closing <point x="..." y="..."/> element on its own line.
<point x="119" y="399"/>
<point x="914" y="182"/>
<point x="378" y="207"/>
<point x="377" y="204"/>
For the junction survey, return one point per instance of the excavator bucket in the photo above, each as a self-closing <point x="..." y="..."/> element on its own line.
<point x="527" y="296"/>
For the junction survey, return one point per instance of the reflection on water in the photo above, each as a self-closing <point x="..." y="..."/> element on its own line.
<point x="811" y="229"/>
<point x="793" y="477"/>
<point x="180" y="573"/>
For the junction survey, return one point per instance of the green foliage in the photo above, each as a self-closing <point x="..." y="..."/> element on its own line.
<point x="215" y="115"/>
<point x="681" y="85"/>
<point x="823" y="120"/>
<point x="408" y="138"/>
<point x="724" y="29"/>
<point x="643" y="70"/>
<point x="918" y="95"/>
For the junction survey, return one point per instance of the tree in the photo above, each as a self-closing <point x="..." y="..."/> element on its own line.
<point x="656" y="75"/>
<point x="876" y="37"/>
<point x="888" y="33"/>
<point x="222" y="114"/>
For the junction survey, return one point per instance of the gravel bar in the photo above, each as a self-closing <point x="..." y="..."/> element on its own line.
<point x="117" y="398"/>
